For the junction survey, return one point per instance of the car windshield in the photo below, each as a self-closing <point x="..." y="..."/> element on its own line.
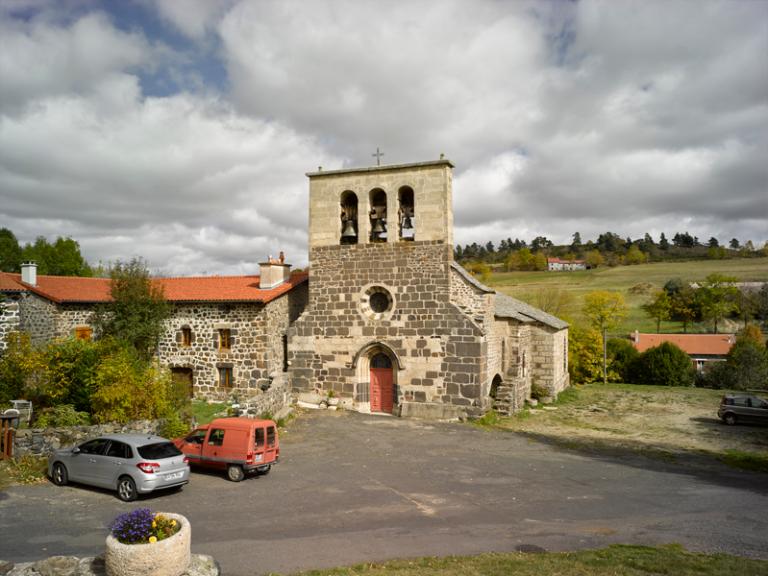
<point x="158" y="451"/>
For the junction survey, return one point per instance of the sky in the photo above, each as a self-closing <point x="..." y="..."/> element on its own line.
<point x="180" y="131"/>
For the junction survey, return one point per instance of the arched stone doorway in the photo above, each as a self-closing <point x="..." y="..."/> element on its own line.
<point x="494" y="392"/>
<point x="376" y="366"/>
<point x="382" y="391"/>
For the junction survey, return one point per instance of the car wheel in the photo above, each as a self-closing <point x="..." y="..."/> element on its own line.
<point x="730" y="419"/>
<point x="235" y="473"/>
<point x="59" y="474"/>
<point x="126" y="489"/>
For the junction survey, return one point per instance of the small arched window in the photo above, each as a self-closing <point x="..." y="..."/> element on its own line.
<point x="348" y="218"/>
<point x="406" y="215"/>
<point x="381" y="361"/>
<point x="378" y="215"/>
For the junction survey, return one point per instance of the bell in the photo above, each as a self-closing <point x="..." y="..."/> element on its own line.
<point x="407" y="224"/>
<point x="378" y="227"/>
<point x="349" y="230"/>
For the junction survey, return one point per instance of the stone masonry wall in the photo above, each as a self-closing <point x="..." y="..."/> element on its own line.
<point x="38" y="318"/>
<point x="256" y="352"/>
<point x="514" y="339"/>
<point x="440" y="349"/>
<point x="549" y="366"/>
<point x="9" y="319"/>
<point x="71" y="316"/>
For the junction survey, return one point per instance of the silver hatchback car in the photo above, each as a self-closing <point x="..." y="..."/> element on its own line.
<point x="132" y="464"/>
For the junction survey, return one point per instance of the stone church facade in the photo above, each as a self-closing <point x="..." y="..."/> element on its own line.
<point x="386" y="321"/>
<point x="393" y="324"/>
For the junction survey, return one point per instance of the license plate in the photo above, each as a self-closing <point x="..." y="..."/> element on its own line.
<point x="259" y="457"/>
<point x="174" y="476"/>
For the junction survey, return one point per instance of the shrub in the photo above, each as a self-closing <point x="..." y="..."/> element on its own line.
<point x="16" y="365"/>
<point x="174" y="426"/>
<point x="585" y="355"/>
<point x="747" y="365"/>
<point x="64" y="415"/>
<point x="663" y="365"/>
<point x="539" y="392"/>
<point x="621" y="355"/>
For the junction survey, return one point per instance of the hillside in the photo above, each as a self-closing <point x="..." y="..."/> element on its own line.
<point x="636" y="283"/>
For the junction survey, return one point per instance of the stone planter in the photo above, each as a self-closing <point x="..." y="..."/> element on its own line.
<point x="169" y="557"/>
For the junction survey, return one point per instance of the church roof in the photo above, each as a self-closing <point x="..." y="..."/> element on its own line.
<point x="75" y="289"/>
<point x="385" y="167"/>
<point x="471" y="279"/>
<point x="508" y="307"/>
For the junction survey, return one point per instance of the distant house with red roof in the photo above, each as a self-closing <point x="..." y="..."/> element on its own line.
<point x="702" y="348"/>
<point x="556" y="264"/>
<point x="227" y="334"/>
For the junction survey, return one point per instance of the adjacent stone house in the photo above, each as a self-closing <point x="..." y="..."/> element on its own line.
<point x="394" y="325"/>
<point x="702" y="348"/>
<point x="385" y="321"/>
<point x="226" y="336"/>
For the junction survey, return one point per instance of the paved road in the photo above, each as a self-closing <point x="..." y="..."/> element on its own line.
<point x="355" y="488"/>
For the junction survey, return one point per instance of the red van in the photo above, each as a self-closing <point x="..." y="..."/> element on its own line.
<point x="238" y="444"/>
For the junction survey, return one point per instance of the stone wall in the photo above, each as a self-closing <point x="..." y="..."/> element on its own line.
<point x="71" y="316"/>
<point x="438" y="352"/>
<point x="38" y="318"/>
<point x="549" y="366"/>
<point x="256" y="354"/>
<point x="514" y="346"/>
<point x="9" y="319"/>
<point x="43" y="441"/>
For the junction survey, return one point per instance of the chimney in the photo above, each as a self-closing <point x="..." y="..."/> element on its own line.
<point x="274" y="272"/>
<point x="29" y="273"/>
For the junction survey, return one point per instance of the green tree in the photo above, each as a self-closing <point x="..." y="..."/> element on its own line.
<point x="584" y="355"/>
<point x="138" y="309"/>
<point x="718" y="296"/>
<point x="594" y="259"/>
<point x="635" y="256"/>
<point x="520" y="260"/>
<point x="604" y="310"/>
<point x="68" y="261"/>
<point x="10" y="251"/>
<point x="621" y="357"/>
<point x="664" y="365"/>
<point x="659" y="308"/>
<point x="747" y="365"/>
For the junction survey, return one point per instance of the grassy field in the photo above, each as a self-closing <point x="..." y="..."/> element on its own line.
<point x="611" y="561"/>
<point x="636" y="283"/>
<point x="656" y="421"/>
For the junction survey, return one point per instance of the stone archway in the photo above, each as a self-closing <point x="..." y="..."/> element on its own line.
<point x="376" y="366"/>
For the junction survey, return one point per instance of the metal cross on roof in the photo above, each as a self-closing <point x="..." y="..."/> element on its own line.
<point x="378" y="156"/>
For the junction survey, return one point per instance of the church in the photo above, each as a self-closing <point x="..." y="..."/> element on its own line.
<point x="384" y="322"/>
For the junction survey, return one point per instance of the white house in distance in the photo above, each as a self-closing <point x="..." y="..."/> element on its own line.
<point x="556" y="264"/>
<point x="702" y="348"/>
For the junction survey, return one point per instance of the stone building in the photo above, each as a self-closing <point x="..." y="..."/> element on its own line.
<point x="226" y="337"/>
<point x="394" y="325"/>
<point x="388" y="322"/>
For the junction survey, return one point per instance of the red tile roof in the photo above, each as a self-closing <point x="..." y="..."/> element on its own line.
<point x="73" y="289"/>
<point x="559" y="261"/>
<point x="692" y="344"/>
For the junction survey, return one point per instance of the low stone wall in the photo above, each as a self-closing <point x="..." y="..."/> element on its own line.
<point x="199" y="565"/>
<point x="43" y="441"/>
<point x="276" y="400"/>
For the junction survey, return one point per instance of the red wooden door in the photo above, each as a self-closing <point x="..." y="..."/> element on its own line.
<point x="382" y="396"/>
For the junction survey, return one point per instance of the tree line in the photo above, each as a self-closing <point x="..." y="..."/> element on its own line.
<point x="608" y="249"/>
<point x="59" y="258"/>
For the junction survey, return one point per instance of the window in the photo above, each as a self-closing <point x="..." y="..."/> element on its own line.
<point x="285" y="352"/>
<point x="225" y="339"/>
<point x="378" y="215"/>
<point x="94" y="446"/>
<point x="186" y="336"/>
<point x="348" y="218"/>
<point x="158" y="450"/>
<point x="406" y="214"/>
<point x="196" y="437"/>
<point x="376" y="302"/>
<point x="259" y="438"/>
<point x="83" y="332"/>
<point x="225" y="376"/>
<point x="271" y="437"/>
<point x="216" y="438"/>
<point x="119" y="450"/>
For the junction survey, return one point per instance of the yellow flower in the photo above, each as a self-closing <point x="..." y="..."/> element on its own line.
<point x="152" y="539"/>
<point x="173" y="522"/>
<point x="154" y="524"/>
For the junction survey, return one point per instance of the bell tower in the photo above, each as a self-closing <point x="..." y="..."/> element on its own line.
<point x="381" y="332"/>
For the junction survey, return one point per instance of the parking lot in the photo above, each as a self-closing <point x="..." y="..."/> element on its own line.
<point x="354" y="488"/>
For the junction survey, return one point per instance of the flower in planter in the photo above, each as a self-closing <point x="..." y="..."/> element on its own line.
<point x="141" y="526"/>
